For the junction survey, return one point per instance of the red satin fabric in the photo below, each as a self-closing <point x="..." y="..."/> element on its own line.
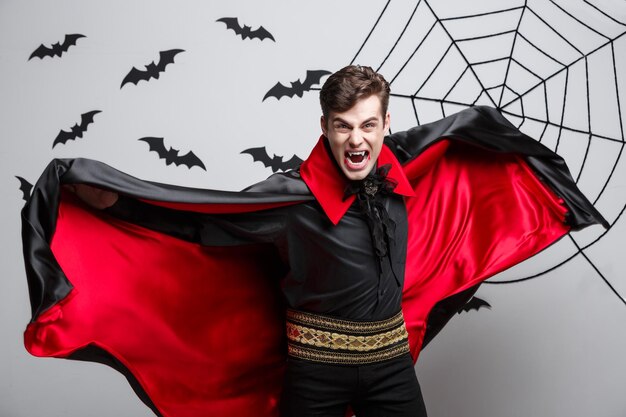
<point x="201" y="328"/>
<point x="475" y="214"/>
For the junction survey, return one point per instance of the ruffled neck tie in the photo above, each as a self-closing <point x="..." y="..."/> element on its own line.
<point x="370" y="195"/>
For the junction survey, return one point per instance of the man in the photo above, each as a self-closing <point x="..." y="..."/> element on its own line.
<point x="362" y="284"/>
<point x="371" y="232"/>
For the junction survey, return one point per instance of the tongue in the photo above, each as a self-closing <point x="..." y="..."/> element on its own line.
<point x="356" y="158"/>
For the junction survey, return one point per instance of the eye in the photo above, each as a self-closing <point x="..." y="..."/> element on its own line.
<point x="342" y="127"/>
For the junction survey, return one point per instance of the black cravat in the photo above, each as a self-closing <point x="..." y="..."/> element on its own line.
<point x="370" y="193"/>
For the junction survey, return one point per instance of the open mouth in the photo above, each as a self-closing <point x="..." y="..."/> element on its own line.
<point x="356" y="159"/>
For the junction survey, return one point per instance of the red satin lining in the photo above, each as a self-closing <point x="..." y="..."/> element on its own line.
<point x="218" y="208"/>
<point x="200" y="329"/>
<point x="475" y="214"/>
<point x="421" y="164"/>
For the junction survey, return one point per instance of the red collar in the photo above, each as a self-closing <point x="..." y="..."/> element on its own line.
<point x="327" y="182"/>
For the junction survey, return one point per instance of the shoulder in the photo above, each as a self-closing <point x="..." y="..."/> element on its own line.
<point x="288" y="182"/>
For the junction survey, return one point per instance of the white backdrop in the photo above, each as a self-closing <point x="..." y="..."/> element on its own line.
<point x="550" y="346"/>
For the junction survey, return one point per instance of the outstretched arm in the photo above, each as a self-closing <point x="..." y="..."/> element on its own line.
<point x="95" y="197"/>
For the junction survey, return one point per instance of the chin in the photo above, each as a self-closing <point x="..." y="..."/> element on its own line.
<point x="356" y="175"/>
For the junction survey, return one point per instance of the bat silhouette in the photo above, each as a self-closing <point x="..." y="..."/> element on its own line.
<point x="171" y="155"/>
<point x="475" y="304"/>
<point x="77" y="130"/>
<point x="297" y="88"/>
<point x="276" y="162"/>
<point x="152" y="70"/>
<point x="56" y="49"/>
<point x="245" y="32"/>
<point x="25" y="188"/>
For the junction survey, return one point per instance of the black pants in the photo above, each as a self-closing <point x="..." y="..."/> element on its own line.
<point x="383" y="389"/>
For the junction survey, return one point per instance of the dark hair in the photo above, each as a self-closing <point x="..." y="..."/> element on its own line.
<point x="344" y="88"/>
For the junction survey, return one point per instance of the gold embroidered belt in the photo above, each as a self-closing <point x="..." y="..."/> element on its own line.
<point x="326" y="339"/>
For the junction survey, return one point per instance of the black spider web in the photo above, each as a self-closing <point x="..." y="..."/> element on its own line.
<point x="508" y="95"/>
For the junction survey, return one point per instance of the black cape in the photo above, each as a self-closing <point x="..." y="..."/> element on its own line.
<point x="194" y="319"/>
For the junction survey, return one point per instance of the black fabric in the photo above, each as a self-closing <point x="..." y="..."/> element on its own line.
<point x="330" y="270"/>
<point x="47" y="284"/>
<point x="369" y="195"/>
<point x="93" y="353"/>
<point x="485" y="127"/>
<point x="334" y="270"/>
<point x="444" y="310"/>
<point x="389" y="388"/>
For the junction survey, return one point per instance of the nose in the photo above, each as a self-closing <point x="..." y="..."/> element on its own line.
<point x="356" y="139"/>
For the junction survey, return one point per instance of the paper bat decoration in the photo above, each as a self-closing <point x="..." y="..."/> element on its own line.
<point x="152" y="70"/>
<point x="474" y="304"/>
<point x="276" y="162"/>
<point x="171" y="155"/>
<point x="77" y="130"/>
<point x="297" y="88"/>
<point x="245" y="32"/>
<point x="25" y="188"/>
<point x="56" y="49"/>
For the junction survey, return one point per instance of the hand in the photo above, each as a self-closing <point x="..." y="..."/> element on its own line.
<point x="95" y="197"/>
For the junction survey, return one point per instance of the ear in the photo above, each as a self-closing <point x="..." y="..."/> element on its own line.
<point x="387" y="123"/>
<point x="323" y="126"/>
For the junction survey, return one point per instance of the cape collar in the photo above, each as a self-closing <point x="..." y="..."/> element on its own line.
<point x="327" y="183"/>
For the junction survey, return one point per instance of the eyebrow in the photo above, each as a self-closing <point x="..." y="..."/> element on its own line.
<point x="373" y="118"/>
<point x="339" y="119"/>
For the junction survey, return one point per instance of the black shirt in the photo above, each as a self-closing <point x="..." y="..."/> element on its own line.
<point x="331" y="269"/>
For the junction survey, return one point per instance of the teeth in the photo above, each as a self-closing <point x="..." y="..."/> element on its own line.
<point x="360" y="153"/>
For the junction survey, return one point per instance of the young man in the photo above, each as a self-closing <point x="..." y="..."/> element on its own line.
<point x="362" y="255"/>
<point x="365" y="361"/>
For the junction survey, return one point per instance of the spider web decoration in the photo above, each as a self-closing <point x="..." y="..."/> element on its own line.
<point x="553" y="70"/>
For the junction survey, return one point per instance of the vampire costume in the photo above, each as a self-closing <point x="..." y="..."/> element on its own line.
<point x="187" y="291"/>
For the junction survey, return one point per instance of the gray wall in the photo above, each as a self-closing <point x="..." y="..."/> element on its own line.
<point x="550" y="346"/>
